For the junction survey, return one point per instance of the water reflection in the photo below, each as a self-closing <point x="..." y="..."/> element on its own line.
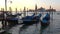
<point x="28" y="29"/>
<point x="43" y="29"/>
<point x="24" y="27"/>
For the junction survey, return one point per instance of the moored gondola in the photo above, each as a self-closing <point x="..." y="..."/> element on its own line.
<point x="28" y="19"/>
<point x="46" y="20"/>
<point x="31" y="19"/>
<point x="12" y="19"/>
<point x="37" y="18"/>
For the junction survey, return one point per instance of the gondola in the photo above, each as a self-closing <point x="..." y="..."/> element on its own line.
<point x="28" y="19"/>
<point x="46" y="20"/>
<point x="37" y="18"/>
<point x="12" y="19"/>
<point x="31" y="19"/>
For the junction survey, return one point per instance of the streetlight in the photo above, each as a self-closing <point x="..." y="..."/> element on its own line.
<point x="6" y="5"/>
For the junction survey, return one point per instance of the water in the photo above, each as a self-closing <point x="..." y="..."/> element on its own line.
<point x="0" y="25"/>
<point x="53" y="28"/>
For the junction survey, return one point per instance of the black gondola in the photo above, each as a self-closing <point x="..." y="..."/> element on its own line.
<point x="31" y="19"/>
<point x="37" y="18"/>
<point x="46" y="20"/>
<point x="12" y="20"/>
<point x="28" y="19"/>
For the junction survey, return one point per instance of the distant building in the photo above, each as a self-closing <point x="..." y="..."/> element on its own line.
<point x="41" y="9"/>
<point x="31" y="10"/>
<point x="51" y="9"/>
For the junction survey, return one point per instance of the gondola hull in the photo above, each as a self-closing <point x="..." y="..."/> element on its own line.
<point x="30" y="21"/>
<point x="45" y="24"/>
<point x="46" y="20"/>
<point x="12" y="21"/>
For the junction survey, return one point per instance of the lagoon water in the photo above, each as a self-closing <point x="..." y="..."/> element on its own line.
<point x="53" y="28"/>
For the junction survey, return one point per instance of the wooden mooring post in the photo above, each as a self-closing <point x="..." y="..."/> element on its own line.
<point x="24" y="11"/>
<point x="3" y="21"/>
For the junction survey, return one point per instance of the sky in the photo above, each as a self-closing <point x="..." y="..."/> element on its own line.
<point x="30" y="4"/>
